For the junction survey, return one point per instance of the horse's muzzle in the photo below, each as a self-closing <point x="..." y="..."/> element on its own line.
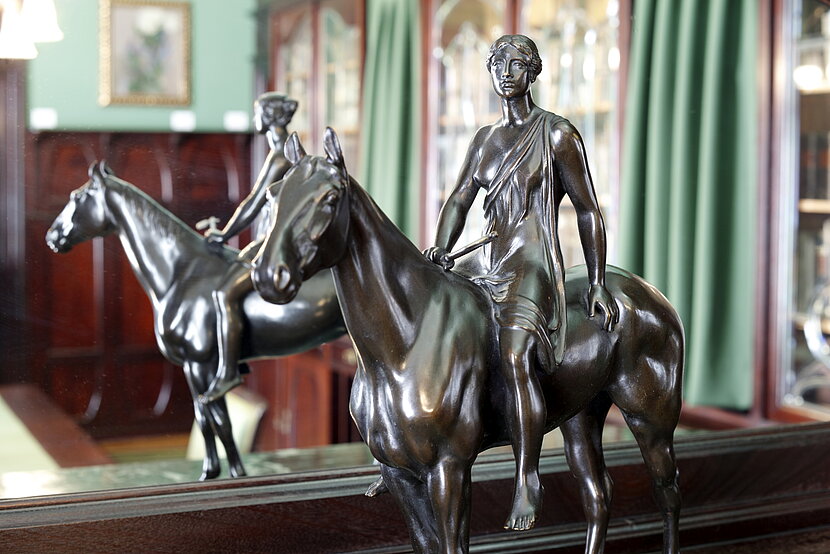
<point x="274" y="283"/>
<point x="56" y="241"/>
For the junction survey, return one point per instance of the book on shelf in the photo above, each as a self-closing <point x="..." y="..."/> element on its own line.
<point x="812" y="263"/>
<point x="815" y="165"/>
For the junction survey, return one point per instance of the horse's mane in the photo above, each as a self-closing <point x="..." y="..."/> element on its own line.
<point x="391" y="230"/>
<point x="148" y="209"/>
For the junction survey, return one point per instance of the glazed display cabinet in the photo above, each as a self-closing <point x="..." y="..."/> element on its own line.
<point x="803" y="384"/>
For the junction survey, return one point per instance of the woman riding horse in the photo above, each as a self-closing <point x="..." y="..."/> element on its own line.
<point x="272" y="113"/>
<point x="526" y="162"/>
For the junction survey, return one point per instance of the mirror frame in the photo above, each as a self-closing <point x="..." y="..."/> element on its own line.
<point x="736" y="486"/>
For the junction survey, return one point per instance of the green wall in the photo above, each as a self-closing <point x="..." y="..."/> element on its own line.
<point x="65" y="76"/>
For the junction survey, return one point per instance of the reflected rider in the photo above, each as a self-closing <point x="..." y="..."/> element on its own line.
<point x="272" y="113"/>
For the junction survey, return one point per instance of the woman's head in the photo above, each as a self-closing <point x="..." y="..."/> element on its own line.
<point x="273" y="108"/>
<point x="525" y="46"/>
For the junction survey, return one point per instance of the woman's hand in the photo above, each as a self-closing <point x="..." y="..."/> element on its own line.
<point x="440" y="256"/>
<point x="599" y="297"/>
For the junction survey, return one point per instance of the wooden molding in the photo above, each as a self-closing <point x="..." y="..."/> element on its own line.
<point x="736" y="485"/>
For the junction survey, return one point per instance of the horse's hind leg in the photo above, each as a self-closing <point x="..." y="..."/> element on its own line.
<point x="222" y="426"/>
<point x="411" y="494"/>
<point x="583" y="450"/>
<point x="654" y="431"/>
<point x="196" y="381"/>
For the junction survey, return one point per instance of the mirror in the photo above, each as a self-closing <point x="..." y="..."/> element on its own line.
<point x="139" y="415"/>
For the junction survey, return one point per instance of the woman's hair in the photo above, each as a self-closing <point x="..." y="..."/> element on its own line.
<point x="524" y="45"/>
<point x="278" y="107"/>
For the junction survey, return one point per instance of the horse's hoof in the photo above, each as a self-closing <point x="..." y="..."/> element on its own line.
<point x="377" y="488"/>
<point x="209" y="474"/>
<point x="237" y="472"/>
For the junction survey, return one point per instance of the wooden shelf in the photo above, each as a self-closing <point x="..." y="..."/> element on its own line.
<point x="819" y="206"/>
<point x="800" y="319"/>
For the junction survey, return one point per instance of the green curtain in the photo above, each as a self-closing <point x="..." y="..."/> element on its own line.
<point x="689" y="179"/>
<point x="390" y="149"/>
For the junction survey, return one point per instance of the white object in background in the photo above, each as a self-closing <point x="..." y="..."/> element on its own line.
<point x="245" y="409"/>
<point x="182" y="121"/>
<point x="15" y="42"/>
<point x="41" y="20"/>
<point x="236" y="121"/>
<point x="41" y="119"/>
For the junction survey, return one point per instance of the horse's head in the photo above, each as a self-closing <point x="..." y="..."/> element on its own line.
<point x="309" y="227"/>
<point x="84" y="216"/>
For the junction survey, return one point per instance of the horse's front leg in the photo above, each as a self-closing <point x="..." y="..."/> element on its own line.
<point x="221" y="421"/>
<point x="197" y="380"/>
<point x="448" y="485"/>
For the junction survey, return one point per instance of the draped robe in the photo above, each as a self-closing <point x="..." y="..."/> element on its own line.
<point x="522" y="268"/>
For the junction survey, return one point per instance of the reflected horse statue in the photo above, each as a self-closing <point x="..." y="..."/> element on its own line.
<point x="179" y="271"/>
<point x="428" y="396"/>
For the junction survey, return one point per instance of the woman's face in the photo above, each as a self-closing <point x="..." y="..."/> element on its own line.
<point x="509" y="71"/>
<point x="261" y="119"/>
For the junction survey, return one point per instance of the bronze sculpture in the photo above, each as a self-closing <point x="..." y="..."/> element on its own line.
<point x="179" y="271"/>
<point x="526" y="163"/>
<point x="429" y="395"/>
<point x="272" y="112"/>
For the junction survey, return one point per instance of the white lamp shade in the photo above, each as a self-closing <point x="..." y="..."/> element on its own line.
<point x="15" y="42"/>
<point x="42" y="20"/>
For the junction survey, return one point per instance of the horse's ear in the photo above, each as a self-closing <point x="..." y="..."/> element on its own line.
<point x="96" y="174"/>
<point x="331" y="144"/>
<point x="105" y="169"/>
<point x="294" y="151"/>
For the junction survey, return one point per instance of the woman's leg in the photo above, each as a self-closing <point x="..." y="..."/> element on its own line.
<point x="526" y="424"/>
<point x="227" y="303"/>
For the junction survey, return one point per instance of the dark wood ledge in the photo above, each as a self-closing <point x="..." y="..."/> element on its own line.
<point x="737" y="486"/>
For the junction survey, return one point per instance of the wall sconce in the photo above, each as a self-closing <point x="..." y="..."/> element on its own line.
<point x="15" y="42"/>
<point x="41" y="18"/>
<point x="23" y="25"/>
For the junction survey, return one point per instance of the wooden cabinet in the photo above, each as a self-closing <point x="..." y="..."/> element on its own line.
<point x="802" y="384"/>
<point x="316" y="57"/>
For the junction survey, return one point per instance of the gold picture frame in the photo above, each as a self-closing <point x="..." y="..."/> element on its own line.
<point x="145" y="52"/>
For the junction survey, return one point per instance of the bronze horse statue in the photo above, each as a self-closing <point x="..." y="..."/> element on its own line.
<point x="179" y="271"/>
<point x="428" y="396"/>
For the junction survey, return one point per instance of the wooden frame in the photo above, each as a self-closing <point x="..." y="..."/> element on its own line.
<point x="145" y="52"/>
<point x="736" y="488"/>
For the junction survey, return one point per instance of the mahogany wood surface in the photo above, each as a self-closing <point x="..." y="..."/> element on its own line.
<point x="740" y="488"/>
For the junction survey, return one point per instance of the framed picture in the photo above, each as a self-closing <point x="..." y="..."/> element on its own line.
<point x="145" y="52"/>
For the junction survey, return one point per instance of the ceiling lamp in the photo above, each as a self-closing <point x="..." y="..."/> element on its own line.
<point x="42" y="20"/>
<point x="15" y="42"/>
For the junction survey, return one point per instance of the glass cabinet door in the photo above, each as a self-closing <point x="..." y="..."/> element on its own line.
<point x="341" y="65"/>
<point x="318" y="60"/>
<point x="462" y="97"/>
<point x="578" y="41"/>
<point x="806" y="380"/>
<point x="293" y="65"/>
